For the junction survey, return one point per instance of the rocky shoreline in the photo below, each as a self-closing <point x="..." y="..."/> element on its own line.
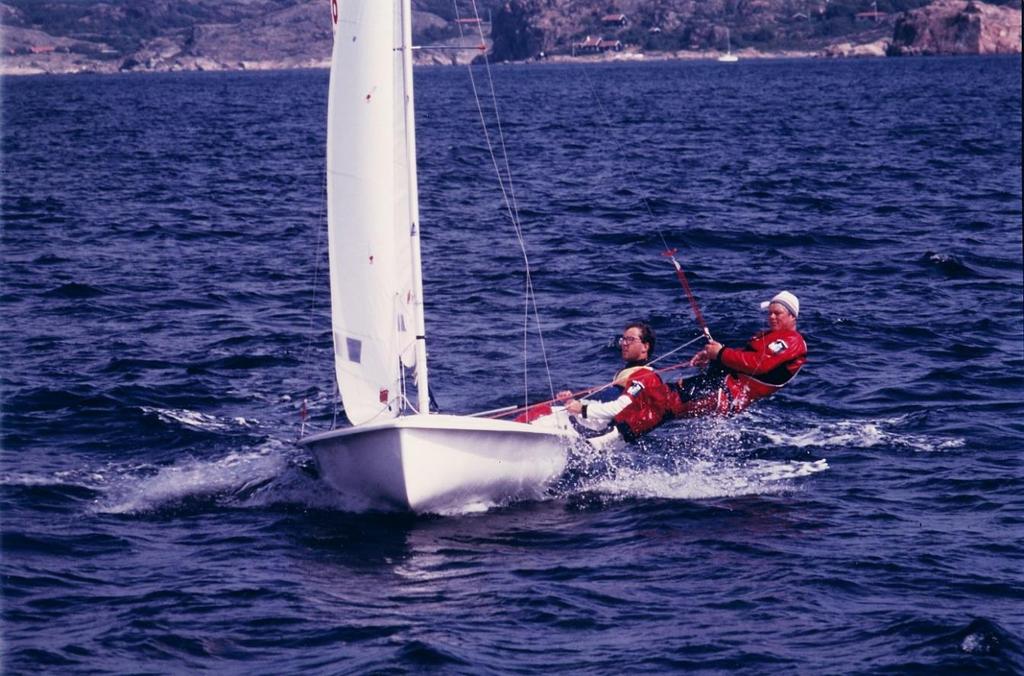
<point x="199" y="64"/>
<point x="298" y="39"/>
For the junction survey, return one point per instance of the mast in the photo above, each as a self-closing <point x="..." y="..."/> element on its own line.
<point x="422" y="387"/>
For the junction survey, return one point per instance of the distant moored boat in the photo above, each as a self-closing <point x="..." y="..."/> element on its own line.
<point x="728" y="57"/>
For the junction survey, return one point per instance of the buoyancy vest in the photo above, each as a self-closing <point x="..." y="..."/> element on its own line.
<point x="649" y="402"/>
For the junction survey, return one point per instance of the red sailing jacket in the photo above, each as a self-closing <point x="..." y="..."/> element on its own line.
<point x="649" y="403"/>
<point x="769" y="361"/>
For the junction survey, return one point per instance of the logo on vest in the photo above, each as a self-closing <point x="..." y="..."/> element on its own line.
<point x="635" y="388"/>
<point x="777" y="346"/>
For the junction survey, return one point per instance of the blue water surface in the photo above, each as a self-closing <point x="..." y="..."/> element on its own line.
<point x="166" y="314"/>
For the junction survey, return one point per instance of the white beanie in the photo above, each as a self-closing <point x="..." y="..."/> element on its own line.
<point x="786" y="300"/>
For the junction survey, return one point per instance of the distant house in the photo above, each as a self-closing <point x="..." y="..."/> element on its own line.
<point x="799" y="16"/>
<point x="468" y="22"/>
<point x="614" y="20"/>
<point x="592" y="45"/>
<point x="41" y="49"/>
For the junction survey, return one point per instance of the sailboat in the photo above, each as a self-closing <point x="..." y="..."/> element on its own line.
<point x="398" y="454"/>
<point x="728" y="57"/>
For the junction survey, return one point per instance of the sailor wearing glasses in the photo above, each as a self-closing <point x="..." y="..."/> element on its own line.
<point x="735" y="377"/>
<point x="642" y="398"/>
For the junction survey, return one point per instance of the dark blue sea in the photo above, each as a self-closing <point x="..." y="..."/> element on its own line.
<point x="165" y="316"/>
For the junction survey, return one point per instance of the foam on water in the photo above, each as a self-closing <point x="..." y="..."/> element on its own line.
<point x="199" y="421"/>
<point x="136" y="490"/>
<point x="712" y="458"/>
<point x="703" y="459"/>
<point x="91" y="478"/>
<point x="861" y="434"/>
<point x="704" y="480"/>
<point x="974" y="643"/>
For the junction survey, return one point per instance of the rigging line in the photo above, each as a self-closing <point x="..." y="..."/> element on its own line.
<point x="532" y="295"/>
<point x="661" y="358"/>
<point x="526" y="342"/>
<point x="509" y="410"/>
<point x="514" y="211"/>
<point x="509" y="205"/>
<point x="497" y="119"/>
<point x="322" y="226"/>
<point x="508" y="195"/>
<point x="317" y="260"/>
<point x="677" y="349"/>
<point x="334" y="402"/>
<point x="531" y="291"/>
<point x="316" y="284"/>
<point x="487" y="136"/>
<point x="681" y="276"/>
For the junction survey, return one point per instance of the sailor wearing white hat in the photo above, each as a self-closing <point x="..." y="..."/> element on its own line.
<point x="786" y="300"/>
<point x="736" y="377"/>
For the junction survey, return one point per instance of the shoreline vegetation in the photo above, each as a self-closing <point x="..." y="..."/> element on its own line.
<point x="10" y="69"/>
<point x="842" y="51"/>
<point x="300" y="38"/>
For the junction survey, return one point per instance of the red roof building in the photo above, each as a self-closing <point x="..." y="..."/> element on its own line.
<point x="614" y="20"/>
<point x="592" y="45"/>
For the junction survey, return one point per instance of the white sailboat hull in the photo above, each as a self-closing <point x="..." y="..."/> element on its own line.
<point x="442" y="463"/>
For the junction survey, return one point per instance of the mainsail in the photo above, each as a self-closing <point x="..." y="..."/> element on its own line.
<point x="371" y="210"/>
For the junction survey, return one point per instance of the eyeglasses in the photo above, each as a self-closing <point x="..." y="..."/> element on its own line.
<point x="628" y="340"/>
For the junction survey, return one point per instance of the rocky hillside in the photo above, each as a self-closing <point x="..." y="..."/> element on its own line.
<point x="161" y="35"/>
<point x="956" y="27"/>
<point x="528" y="28"/>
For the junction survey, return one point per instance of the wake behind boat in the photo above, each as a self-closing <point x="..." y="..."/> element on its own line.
<point x="397" y="454"/>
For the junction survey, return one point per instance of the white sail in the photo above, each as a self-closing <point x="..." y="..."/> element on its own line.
<point x="369" y="213"/>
